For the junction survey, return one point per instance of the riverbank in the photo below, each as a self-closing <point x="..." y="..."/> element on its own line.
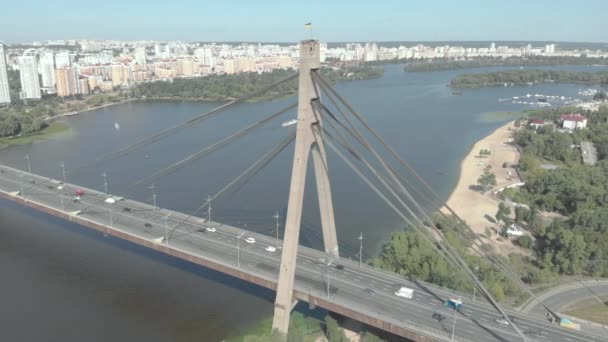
<point x="76" y="112"/>
<point x="51" y="130"/>
<point x="473" y="206"/>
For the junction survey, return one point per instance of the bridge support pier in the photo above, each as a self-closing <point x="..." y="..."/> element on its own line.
<point x="306" y="140"/>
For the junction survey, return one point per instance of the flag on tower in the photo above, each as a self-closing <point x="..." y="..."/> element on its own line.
<point x="308" y="25"/>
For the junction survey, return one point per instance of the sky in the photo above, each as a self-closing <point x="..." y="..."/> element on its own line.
<point x="283" y="20"/>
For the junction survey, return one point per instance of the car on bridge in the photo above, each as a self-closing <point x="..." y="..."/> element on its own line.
<point x="250" y="240"/>
<point x="502" y="321"/>
<point x="271" y="249"/>
<point x="211" y="229"/>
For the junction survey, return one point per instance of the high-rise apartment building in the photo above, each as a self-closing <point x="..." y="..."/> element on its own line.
<point x="140" y="55"/>
<point x="28" y="69"/>
<point x="5" y="95"/>
<point x="63" y="59"/>
<point x="47" y="69"/>
<point x="67" y="81"/>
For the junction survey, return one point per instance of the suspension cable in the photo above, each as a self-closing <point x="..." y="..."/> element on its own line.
<point x="211" y="148"/>
<point x="169" y="131"/>
<point x="251" y="170"/>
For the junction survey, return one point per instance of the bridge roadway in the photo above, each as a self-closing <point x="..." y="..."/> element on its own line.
<point x="412" y="318"/>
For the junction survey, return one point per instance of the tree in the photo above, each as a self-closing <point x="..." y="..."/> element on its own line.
<point x="522" y="214"/>
<point x="369" y="337"/>
<point x="524" y="241"/>
<point x="487" y="181"/>
<point x="333" y="331"/>
<point x="503" y="212"/>
<point x="600" y="96"/>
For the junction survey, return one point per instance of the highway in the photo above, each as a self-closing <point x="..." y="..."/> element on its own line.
<point x="347" y="280"/>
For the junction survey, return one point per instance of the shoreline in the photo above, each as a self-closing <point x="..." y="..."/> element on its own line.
<point x="68" y="114"/>
<point x="468" y="202"/>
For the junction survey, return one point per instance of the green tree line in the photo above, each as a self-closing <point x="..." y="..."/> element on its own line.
<point x="520" y="77"/>
<point x="484" y="62"/>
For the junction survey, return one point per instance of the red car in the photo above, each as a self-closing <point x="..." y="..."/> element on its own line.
<point x="79" y="192"/>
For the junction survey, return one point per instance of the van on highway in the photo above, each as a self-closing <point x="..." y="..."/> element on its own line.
<point x="405" y="292"/>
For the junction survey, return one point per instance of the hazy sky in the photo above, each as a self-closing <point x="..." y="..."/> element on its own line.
<point x="283" y="20"/>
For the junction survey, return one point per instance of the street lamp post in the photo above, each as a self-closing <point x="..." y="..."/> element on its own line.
<point x="153" y="195"/>
<point x="166" y="229"/>
<point x="276" y="218"/>
<point x="360" y="248"/>
<point x="21" y="186"/>
<point x="453" y="324"/>
<point x="62" y="165"/>
<point x="209" y="209"/>
<point x="29" y="166"/>
<point x="105" y="182"/>
<point x="328" y="269"/>
<point x="238" y="250"/>
<point x="110" y="211"/>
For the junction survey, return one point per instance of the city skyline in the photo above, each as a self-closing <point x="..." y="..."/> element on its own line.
<point x="339" y="21"/>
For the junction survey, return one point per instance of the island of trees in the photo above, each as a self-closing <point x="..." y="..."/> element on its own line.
<point x="451" y="64"/>
<point x="521" y="77"/>
<point x="226" y="87"/>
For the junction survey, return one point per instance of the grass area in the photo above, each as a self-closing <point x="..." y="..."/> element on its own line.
<point x="590" y="310"/>
<point x="52" y="129"/>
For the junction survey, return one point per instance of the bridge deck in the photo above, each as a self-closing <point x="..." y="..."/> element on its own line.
<point x="144" y="225"/>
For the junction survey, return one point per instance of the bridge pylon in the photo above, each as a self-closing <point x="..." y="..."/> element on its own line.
<point x="307" y="141"/>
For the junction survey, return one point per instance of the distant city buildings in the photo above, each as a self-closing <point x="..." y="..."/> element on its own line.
<point x="5" y="95"/>
<point x="28" y="71"/>
<point x="70" y="67"/>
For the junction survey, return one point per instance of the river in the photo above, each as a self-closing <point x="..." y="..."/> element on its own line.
<point x="72" y="284"/>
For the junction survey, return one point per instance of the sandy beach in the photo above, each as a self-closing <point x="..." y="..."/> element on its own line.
<point x="467" y="201"/>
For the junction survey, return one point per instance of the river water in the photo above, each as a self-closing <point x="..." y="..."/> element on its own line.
<point x="72" y="284"/>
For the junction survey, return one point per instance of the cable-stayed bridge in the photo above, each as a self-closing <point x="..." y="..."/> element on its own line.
<point x="297" y="273"/>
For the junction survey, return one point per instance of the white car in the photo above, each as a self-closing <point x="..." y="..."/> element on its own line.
<point x="110" y="200"/>
<point x="502" y="321"/>
<point x="211" y="229"/>
<point x="60" y="187"/>
<point x="77" y="198"/>
<point x="250" y="240"/>
<point x="270" y="249"/>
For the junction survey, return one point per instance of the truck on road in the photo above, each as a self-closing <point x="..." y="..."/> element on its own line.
<point x="452" y="303"/>
<point x="566" y="323"/>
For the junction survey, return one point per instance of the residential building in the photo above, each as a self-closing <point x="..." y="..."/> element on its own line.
<point x="536" y="123"/>
<point x="186" y="67"/>
<point x="573" y="121"/>
<point x="5" y="95"/>
<point x="47" y="69"/>
<point x="63" y="59"/>
<point x="67" y="81"/>
<point x="140" y="56"/>
<point x="28" y="69"/>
